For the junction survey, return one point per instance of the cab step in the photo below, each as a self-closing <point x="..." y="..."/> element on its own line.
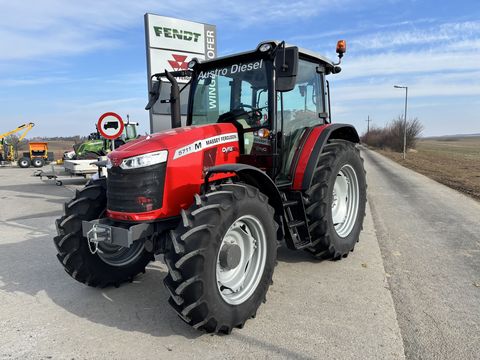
<point x="296" y="220"/>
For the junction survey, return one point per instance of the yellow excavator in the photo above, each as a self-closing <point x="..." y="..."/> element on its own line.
<point x="7" y="152"/>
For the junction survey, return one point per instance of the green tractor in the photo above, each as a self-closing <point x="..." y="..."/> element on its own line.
<point x="97" y="146"/>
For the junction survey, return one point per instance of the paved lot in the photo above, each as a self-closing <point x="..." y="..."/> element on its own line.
<point x="337" y="310"/>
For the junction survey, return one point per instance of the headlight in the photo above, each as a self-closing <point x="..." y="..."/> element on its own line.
<point x="144" y="160"/>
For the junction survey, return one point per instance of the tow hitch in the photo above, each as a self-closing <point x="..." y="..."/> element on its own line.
<point x="96" y="234"/>
<point x="101" y="230"/>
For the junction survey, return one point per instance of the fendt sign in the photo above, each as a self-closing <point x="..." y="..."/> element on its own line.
<point x="171" y="43"/>
<point x="176" y="34"/>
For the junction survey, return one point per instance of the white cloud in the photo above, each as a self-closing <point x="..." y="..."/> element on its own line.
<point x="33" y="81"/>
<point x="412" y="62"/>
<point x="434" y="60"/>
<point x="32" y="29"/>
<point x="438" y="86"/>
<point x="443" y="33"/>
<point x="111" y="103"/>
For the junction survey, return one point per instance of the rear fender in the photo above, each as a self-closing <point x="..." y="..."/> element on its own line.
<point x="312" y="147"/>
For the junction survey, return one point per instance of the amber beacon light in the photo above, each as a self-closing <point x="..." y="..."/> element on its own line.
<point x="341" y="47"/>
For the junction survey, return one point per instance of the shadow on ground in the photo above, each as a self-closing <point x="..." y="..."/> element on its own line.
<point x="31" y="267"/>
<point x="295" y="256"/>
<point x="37" y="190"/>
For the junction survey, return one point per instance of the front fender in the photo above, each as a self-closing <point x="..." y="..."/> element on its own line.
<point x="252" y="176"/>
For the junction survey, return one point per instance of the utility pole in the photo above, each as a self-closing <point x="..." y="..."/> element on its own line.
<point x="368" y="125"/>
<point x="405" y="120"/>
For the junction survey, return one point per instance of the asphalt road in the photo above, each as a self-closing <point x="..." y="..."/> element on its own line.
<point x="411" y="287"/>
<point x="333" y="310"/>
<point x="429" y="236"/>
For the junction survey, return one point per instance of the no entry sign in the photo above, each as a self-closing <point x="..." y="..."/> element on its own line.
<point x="110" y="125"/>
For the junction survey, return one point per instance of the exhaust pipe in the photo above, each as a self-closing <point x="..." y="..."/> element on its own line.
<point x="174" y="101"/>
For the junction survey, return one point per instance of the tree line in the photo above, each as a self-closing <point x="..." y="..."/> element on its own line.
<point x="391" y="135"/>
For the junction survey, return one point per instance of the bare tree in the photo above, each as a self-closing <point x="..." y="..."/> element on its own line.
<point x="414" y="129"/>
<point x="15" y="142"/>
<point x="391" y="136"/>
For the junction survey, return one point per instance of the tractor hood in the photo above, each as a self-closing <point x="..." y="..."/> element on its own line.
<point x="179" y="142"/>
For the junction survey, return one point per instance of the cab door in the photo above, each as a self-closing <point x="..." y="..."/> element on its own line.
<point x="299" y="110"/>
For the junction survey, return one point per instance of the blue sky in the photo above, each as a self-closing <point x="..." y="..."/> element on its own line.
<point x="64" y="63"/>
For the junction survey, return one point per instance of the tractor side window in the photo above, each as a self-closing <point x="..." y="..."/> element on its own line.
<point x="164" y="108"/>
<point x="302" y="107"/>
<point x="130" y="132"/>
<point x="255" y="102"/>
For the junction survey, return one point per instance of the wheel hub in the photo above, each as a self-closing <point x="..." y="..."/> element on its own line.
<point x="345" y="200"/>
<point x="241" y="260"/>
<point x="230" y="256"/>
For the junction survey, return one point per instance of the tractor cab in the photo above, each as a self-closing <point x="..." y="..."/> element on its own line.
<point x="272" y="95"/>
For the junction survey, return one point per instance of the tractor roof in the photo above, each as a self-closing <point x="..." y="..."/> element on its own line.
<point x="305" y="52"/>
<point x="315" y="55"/>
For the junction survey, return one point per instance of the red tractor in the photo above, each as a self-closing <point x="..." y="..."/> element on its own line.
<point x="258" y="164"/>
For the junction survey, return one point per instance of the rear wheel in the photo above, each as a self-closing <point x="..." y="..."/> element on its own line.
<point x="102" y="266"/>
<point x="38" y="162"/>
<point x="222" y="258"/>
<point x="336" y="201"/>
<point x="24" y="162"/>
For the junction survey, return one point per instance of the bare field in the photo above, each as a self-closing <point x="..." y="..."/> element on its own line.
<point x="452" y="161"/>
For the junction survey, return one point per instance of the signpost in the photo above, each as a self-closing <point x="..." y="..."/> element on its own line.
<point x="110" y="125"/>
<point x="171" y="43"/>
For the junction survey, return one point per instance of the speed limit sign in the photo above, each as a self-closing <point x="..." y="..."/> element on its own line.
<point x="110" y="125"/>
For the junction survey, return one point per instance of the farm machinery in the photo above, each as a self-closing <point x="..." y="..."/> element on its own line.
<point x="259" y="164"/>
<point x="7" y="151"/>
<point x="81" y="160"/>
<point x="37" y="154"/>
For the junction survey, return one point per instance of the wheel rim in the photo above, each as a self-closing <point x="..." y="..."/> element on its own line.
<point x="118" y="255"/>
<point x="345" y="200"/>
<point x="237" y="283"/>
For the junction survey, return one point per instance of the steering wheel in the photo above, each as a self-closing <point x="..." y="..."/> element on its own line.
<point x="256" y="116"/>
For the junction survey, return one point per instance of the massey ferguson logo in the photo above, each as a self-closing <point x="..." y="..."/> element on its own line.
<point x="210" y="142"/>
<point x="178" y="63"/>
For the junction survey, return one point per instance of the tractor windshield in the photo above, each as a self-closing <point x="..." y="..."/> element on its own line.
<point x="237" y="91"/>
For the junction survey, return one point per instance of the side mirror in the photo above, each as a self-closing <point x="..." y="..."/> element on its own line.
<point x="286" y="64"/>
<point x="154" y="93"/>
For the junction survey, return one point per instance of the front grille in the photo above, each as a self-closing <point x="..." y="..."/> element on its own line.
<point x="135" y="190"/>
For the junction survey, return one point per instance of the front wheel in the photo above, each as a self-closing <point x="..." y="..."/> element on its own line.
<point x="336" y="201"/>
<point x="222" y="258"/>
<point x="101" y="266"/>
<point x="24" y="162"/>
